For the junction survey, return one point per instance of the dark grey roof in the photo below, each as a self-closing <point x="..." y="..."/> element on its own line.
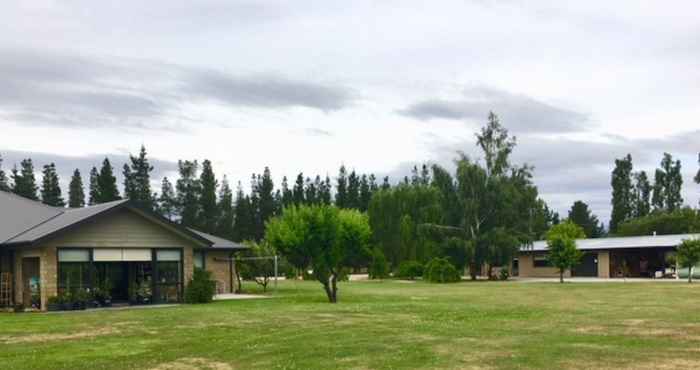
<point x="25" y="221"/>
<point x="219" y="243"/>
<point x="650" y="241"/>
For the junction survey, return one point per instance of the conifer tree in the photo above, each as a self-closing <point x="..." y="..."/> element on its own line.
<point x="188" y="190"/>
<point x="256" y="219"/>
<point x="298" y="190"/>
<point x="50" y="187"/>
<point x="224" y="228"/>
<point x="353" y="197"/>
<point x="311" y="190"/>
<point x="265" y="191"/>
<point x="581" y="215"/>
<point x="324" y="191"/>
<point x="107" y="190"/>
<point x="697" y="177"/>
<point x="76" y="192"/>
<point x="137" y="180"/>
<point x="341" y="189"/>
<point x="622" y="189"/>
<point x="4" y="185"/>
<point x="287" y="195"/>
<point x="242" y="226"/>
<point x="208" y="215"/>
<point x="365" y="193"/>
<point x="167" y="201"/>
<point x="373" y="183"/>
<point x="385" y="183"/>
<point x="94" y="189"/>
<point x="24" y="182"/>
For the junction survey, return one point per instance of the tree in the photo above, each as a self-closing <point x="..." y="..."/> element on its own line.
<point x="4" y="185"/>
<point x="298" y="190"/>
<point x="188" y="190"/>
<point x="697" y="177"/>
<point x="287" y="194"/>
<point x="682" y="221"/>
<point x="50" y="187"/>
<point x="341" y="188"/>
<point x="323" y="237"/>
<point x="167" y="202"/>
<point x="622" y="199"/>
<point x="208" y="215"/>
<point x="378" y="268"/>
<point x="107" y="190"/>
<point x="226" y="211"/>
<point x="353" y="195"/>
<point x="365" y="193"/>
<point x="324" y="191"/>
<point x="642" y="193"/>
<point x="259" y="264"/>
<point x="581" y="215"/>
<point x="137" y="180"/>
<point x="243" y="220"/>
<point x="668" y="183"/>
<point x="24" y="182"/>
<point x="311" y="190"/>
<point x="561" y="244"/>
<point x="688" y="256"/>
<point x="496" y="145"/>
<point x="76" y="192"/>
<point x="94" y="189"/>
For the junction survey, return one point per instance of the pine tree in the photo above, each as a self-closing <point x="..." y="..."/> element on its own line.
<point x="353" y="199"/>
<point x="385" y="183"/>
<point x="107" y="190"/>
<point x="4" y="185"/>
<point x="137" y="180"/>
<point x="267" y="206"/>
<point x="287" y="195"/>
<point x="298" y="190"/>
<point x="94" y="189"/>
<point x="24" y="182"/>
<point x="324" y="191"/>
<point x="227" y="215"/>
<point x="311" y="190"/>
<point x="622" y="200"/>
<point x="256" y="218"/>
<point x="208" y="216"/>
<point x="365" y="193"/>
<point x="187" y="187"/>
<point x="76" y="192"/>
<point x="242" y="226"/>
<point x="167" y="201"/>
<point x="697" y="177"/>
<point x="50" y="187"/>
<point x="373" y="183"/>
<point x="642" y="193"/>
<point x="581" y="215"/>
<point x="341" y="189"/>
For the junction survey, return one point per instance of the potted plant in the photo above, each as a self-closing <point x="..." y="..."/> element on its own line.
<point x="54" y="303"/>
<point x="143" y="292"/>
<point x="80" y="299"/>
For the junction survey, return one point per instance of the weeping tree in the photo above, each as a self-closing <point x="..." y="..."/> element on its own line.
<point x="488" y="209"/>
<point x="323" y="237"/>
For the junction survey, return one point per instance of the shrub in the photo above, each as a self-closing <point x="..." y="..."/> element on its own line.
<point x="201" y="288"/>
<point x="440" y="270"/>
<point x="504" y="274"/>
<point x="410" y="270"/>
<point x="378" y="268"/>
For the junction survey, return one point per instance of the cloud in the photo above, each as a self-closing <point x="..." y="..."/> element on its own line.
<point x="49" y="89"/>
<point x="519" y="113"/>
<point x="318" y="132"/>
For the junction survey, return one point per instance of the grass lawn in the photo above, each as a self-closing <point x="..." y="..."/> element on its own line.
<point x="379" y="325"/>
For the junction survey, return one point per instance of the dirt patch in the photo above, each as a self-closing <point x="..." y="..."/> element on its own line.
<point x="193" y="363"/>
<point x="34" y="338"/>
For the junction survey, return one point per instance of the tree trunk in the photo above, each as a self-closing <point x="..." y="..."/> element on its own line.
<point x="561" y="276"/>
<point x="472" y="270"/>
<point x="331" y="288"/>
<point x="690" y="274"/>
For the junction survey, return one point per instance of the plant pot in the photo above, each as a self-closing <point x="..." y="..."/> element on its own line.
<point x="54" y="306"/>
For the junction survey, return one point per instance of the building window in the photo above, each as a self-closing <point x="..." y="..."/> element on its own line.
<point x="74" y="270"/>
<point x="198" y="259"/>
<point x="169" y="281"/>
<point x="540" y="260"/>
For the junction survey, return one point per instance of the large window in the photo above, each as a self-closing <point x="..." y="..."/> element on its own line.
<point x="74" y="270"/>
<point x="540" y="260"/>
<point x="198" y="259"/>
<point x="169" y="275"/>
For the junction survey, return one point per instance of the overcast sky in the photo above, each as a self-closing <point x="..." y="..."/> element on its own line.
<point x="376" y="85"/>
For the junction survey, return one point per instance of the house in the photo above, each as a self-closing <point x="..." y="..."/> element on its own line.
<point x="637" y="256"/>
<point x="116" y="246"/>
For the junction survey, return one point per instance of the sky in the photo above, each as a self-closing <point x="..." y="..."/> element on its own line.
<point x="379" y="86"/>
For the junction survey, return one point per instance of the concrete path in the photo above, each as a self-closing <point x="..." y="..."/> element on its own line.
<point x="596" y="280"/>
<point x="231" y="296"/>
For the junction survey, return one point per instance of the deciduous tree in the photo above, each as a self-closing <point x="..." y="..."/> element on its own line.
<point x="688" y="256"/>
<point x="561" y="245"/>
<point x="622" y="190"/>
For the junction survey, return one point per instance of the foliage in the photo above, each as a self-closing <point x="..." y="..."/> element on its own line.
<point x="668" y="181"/>
<point x="137" y="181"/>
<point x="167" y="201"/>
<point x="322" y="237"/>
<point x="561" y="243"/>
<point x="642" y="194"/>
<point x="208" y="212"/>
<point x="23" y="181"/>
<point x="201" y="288"/>
<point x="622" y="192"/>
<point x="259" y="264"/>
<point x="682" y="221"/>
<point x="4" y="185"/>
<point x="378" y="267"/>
<point x="226" y="211"/>
<point x="106" y="184"/>
<point x="76" y="193"/>
<point x="688" y="255"/>
<point x="581" y="215"/>
<point x="50" y="187"/>
<point x="409" y="270"/>
<point x="440" y="270"/>
<point x="188" y="188"/>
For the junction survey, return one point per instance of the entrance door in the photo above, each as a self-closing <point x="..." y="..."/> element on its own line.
<point x="113" y="276"/>
<point x="31" y="283"/>
<point x="588" y="266"/>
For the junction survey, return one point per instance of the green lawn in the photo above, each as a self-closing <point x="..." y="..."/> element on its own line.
<point x="379" y="325"/>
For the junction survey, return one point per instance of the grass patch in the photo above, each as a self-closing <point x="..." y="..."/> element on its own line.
<point x="379" y="325"/>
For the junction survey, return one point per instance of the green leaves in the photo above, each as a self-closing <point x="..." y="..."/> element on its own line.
<point x="561" y="242"/>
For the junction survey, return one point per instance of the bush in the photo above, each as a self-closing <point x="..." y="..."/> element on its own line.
<point x="378" y="268"/>
<point x="201" y="288"/>
<point x="410" y="270"/>
<point x="440" y="270"/>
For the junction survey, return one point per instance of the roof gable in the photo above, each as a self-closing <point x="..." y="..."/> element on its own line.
<point x="19" y="214"/>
